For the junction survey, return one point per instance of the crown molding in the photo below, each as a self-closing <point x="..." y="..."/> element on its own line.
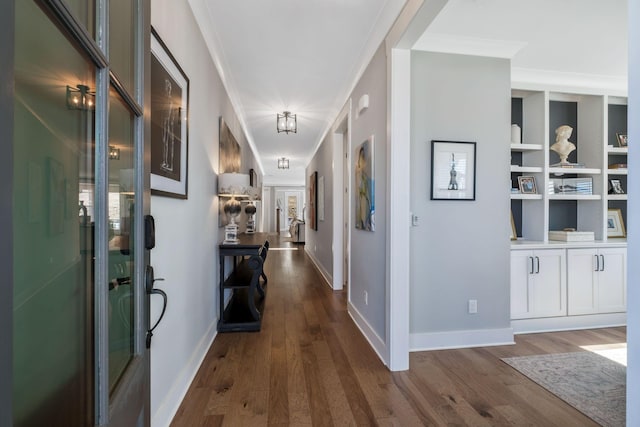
<point x="447" y="43"/>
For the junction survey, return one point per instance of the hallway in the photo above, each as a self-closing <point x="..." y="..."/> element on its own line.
<point x="309" y="365"/>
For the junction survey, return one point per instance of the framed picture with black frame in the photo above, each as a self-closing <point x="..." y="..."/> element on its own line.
<point x="453" y="170"/>
<point x="169" y="124"/>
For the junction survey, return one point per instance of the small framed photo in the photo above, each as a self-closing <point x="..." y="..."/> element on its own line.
<point x="527" y="185"/>
<point x="615" y="224"/>
<point x="453" y="170"/>
<point x="514" y="233"/>
<point x="622" y="139"/>
<point x="615" y="187"/>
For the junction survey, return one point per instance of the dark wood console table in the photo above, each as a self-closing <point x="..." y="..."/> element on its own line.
<point x="246" y="281"/>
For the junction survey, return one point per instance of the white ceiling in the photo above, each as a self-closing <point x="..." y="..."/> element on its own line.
<point x="300" y="56"/>
<point x="305" y="56"/>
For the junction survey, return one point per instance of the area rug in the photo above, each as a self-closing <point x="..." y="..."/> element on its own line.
<point x="591" y="383"/>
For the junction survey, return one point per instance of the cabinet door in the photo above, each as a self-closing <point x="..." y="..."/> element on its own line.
<point x="548" y="289"/>
<point x="582" y="281"/>
<point x="612" y="281"/>
<point x="520" y="272"/>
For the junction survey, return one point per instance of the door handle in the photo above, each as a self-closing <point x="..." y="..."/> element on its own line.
<point x="602" y="268"/>
<point x="597" y="263"/>
<point x="537" y="265"/>
<point x="149" y="281"/>
<point x="531" y="259"/>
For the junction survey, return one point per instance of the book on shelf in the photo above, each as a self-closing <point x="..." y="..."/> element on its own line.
<point x="571" y="236"/>
<point x="618" y="166"/>
<point x="568" y="165"/>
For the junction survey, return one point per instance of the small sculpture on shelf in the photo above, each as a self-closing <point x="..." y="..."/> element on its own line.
<point x="563" y="146"/>
<point x="250" y="210"/>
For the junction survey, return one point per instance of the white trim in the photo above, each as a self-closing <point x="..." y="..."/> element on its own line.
<point x="398" y="204"/>
<point x="548" y="324"/>
<point x="169" y="406"/>
<point x="337" y="244"/>
<point x="461" y="339"/>
<point x="377" y="343"/>
<point x="450" y="43"/>
<point x="323" y="271"/>
<point x="563" y="81"/>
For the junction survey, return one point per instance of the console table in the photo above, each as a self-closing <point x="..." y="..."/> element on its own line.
<point x="246" y="280"/>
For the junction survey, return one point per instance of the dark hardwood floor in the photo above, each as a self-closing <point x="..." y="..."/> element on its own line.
<point x="309" y="365"/>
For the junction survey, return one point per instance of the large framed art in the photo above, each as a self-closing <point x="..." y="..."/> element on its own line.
<point x="453" y="170"/>
<point x="169" y="133"/>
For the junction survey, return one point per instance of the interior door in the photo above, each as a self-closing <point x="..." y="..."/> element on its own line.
<point x="79" y="307"/>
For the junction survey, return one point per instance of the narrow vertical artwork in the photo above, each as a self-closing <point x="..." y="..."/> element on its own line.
<point x="313" y="201"/>
<point x="365" y="185"/>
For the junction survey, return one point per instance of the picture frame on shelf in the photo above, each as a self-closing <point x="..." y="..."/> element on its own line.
<point x="622" y="139"/>
<point x="169" y="124"/>
<point x="527" y="185"/>
<point x="514" y="233"/>
<point x="453" y="170"/>
<point x="615" y="187"/>
<point x="615" y="223"/>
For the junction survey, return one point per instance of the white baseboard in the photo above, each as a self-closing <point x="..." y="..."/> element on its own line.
<point x="370" y="335"/>
<point x="460" y="339"/>
<point x="567" y="323"/>
<point x="163" y="415"/>
<point x="323" y="272"/>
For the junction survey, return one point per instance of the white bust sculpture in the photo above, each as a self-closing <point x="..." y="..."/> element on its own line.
<point x="563" y="146"/>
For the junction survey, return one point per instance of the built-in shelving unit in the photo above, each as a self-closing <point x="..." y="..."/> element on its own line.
<point x="595" y="119"/>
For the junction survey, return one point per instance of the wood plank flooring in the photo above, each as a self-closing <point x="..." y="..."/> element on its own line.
<point x="310" y="366"/>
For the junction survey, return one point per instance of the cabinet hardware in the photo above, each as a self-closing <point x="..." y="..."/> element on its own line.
<point x="602" y="269"/>
<point x="531" y="259"/>
<point x="537" y="265"/>
<point x="597" y="263"/>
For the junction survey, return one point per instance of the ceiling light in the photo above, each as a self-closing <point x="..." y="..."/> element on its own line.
<point x="283" y="163"/>
<point x="287" y="122"/>
<point x="80" y="98"/>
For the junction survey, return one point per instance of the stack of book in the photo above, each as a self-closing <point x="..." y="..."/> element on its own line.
<point x="570" y="186"/>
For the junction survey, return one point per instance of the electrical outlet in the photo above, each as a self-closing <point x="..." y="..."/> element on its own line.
<point x="366" y="298"/>
<point x="415" y="220"/>
<point x="473" y="306"/>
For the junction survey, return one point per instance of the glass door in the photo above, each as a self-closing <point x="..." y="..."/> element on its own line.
<point x="79" y="307"/>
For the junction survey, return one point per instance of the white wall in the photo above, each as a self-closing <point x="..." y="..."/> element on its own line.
<point x="187" y="230"/>
<point x="633" y="213"/>
<point x="460" y="249"/>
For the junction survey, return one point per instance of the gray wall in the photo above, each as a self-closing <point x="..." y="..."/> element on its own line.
<point x="319" y="243"/>
<point x="368" y="249"/>
<point x="460" y="250"/>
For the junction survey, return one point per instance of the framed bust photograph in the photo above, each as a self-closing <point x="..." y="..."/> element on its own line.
<point x="622" y="139"/>
<point x="615" y="187"/>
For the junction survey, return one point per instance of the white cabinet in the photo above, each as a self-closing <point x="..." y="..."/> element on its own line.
<point x="597" y="280"/>
<point x="538" y="283"/>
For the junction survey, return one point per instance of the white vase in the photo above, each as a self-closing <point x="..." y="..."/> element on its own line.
<point x="516" y="135"/>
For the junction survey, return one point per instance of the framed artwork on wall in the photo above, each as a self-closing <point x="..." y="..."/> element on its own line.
<point x="453" y="170"/>
<point x="365" y="186"/>
<point x="313" y="201"/>
<point x="169" y="133"/>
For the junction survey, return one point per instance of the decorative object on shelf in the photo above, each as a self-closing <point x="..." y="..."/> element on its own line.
<point x="283" y="163"/>
<point x="453" y="170"/>
<point x="571" y="185"/>
<point x="313" y="201"/>
<point x="287" y="122"/>
<point x="365" y="186"/>
<point x="622" y="139"/>
<point x="527" y="185"/>
<point x="618" y="166"/>
<point x="516" y="134"/>
<point x="571" y="235"/>
<point x="232" y="185"/>
<point x="615" y="224"/>
<point x="250" y="210"/>
<point x="514" y="234"/>
<point x="563" y="147"/>
<point x="615" y="187"/>
<point x="81" y="98"/>
<point x="169" y="101"/>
